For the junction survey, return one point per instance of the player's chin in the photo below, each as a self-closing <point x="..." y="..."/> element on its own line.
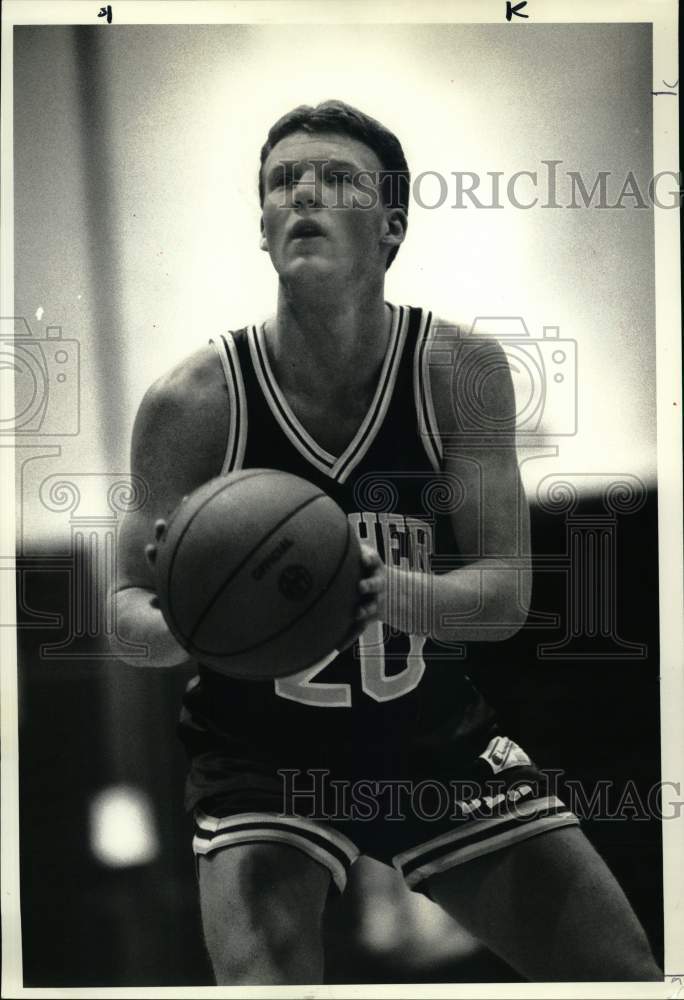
<point x="310" y="268"/>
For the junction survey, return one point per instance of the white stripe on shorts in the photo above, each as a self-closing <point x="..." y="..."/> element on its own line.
<point x="305" y="835"/>
<point x="487" y="839"/>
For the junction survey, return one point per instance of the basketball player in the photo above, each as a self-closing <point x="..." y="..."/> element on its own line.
<point x="292" y="780"/>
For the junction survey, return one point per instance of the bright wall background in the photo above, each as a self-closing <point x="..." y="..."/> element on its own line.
<point x="136" y="210"/>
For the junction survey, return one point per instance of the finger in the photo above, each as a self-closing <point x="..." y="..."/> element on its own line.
<point x="151" y="554"/>
<point x="367" y="611"/>
<point x="369" y="556"/>
<point x="159" y="529"/>
<point x="371" y="585"/>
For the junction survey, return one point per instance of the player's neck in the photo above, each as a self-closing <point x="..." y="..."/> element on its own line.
<point x="337" y="343"/>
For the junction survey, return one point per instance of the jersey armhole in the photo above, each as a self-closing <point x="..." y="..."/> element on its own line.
<point x="428" y="428"/>
<point x="237" y="418"/>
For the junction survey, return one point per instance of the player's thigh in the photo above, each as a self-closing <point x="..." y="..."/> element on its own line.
<point x="549" y="906"/>
<point x="263" y="899"/>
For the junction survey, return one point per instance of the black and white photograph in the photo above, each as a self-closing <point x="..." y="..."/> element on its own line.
<point x="342" y="642"/>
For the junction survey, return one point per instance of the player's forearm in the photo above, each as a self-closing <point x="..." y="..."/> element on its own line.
<point x="485" y="602"/>
<point x="140" y="622"/>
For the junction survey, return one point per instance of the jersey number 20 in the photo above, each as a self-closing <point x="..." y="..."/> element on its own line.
<point x="374" y="680"/>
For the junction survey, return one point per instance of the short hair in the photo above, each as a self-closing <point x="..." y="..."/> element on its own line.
<point x="336" y="116"/>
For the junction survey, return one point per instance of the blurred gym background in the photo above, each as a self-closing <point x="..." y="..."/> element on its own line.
<point x="136" y="239"/>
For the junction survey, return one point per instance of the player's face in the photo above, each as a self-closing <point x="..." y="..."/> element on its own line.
<point x="322" y="213"/>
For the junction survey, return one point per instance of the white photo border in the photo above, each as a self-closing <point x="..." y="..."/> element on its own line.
<point x="662" y="14"/>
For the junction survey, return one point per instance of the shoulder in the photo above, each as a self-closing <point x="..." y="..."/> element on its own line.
<point x="469" y="378"/>
<point x="186" y="410"/>
<point x="194" y="385"/>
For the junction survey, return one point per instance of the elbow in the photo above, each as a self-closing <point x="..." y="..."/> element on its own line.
<point x="513" y="606"/>
<point x="501" y="612"/>
<point x="499" y="607"/>
<point x="492" y="625"/>
<point x="510" y="626"/>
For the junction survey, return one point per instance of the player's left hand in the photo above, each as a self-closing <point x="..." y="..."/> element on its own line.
<point x="372" y="586"/>
<point x="372" y="590"/>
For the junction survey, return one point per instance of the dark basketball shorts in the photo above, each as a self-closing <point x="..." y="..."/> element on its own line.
<point x="422" y="821"/>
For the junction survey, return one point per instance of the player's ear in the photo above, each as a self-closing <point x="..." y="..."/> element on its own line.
<point x="263" y="242"/>
<point x="395" y="226"/>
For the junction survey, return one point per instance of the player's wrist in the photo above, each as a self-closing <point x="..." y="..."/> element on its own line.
<point x="141" y="637"/>
<point x="407" y="601"/>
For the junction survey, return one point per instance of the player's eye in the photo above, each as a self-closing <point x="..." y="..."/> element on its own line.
<point x="282" y="177"/>
<point x="337" y="175"/>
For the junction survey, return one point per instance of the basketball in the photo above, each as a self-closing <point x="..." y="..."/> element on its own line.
<point x="258" y="573"/>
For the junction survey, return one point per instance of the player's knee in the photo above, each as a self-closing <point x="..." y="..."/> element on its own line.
<point x="628" y="957"/>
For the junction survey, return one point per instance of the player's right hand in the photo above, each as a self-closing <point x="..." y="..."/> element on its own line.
<point x="151" y="549"/>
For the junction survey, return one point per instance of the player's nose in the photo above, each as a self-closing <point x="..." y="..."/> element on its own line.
<point x="306" y="190"/>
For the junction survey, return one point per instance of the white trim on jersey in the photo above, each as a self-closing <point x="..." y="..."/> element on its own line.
<point x="237" y="432"/>
<point x="373" y="420"/>
<point x="340" y="467"/>
<point x="280" y="408"/>
<point x="292" y="830"/>
<point x="422" y="389"/>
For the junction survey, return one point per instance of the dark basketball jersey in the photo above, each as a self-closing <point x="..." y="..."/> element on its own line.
<point x="389" y="688"/>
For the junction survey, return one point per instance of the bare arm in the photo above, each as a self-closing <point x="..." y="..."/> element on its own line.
<point x="487" y="597"/>
<point x="178" y="444"/>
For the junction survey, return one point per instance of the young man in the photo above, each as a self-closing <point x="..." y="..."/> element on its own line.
<point x="291" y="780"/>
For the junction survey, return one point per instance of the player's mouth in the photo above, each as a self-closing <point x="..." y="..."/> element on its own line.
<point x="306" y="229"/>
